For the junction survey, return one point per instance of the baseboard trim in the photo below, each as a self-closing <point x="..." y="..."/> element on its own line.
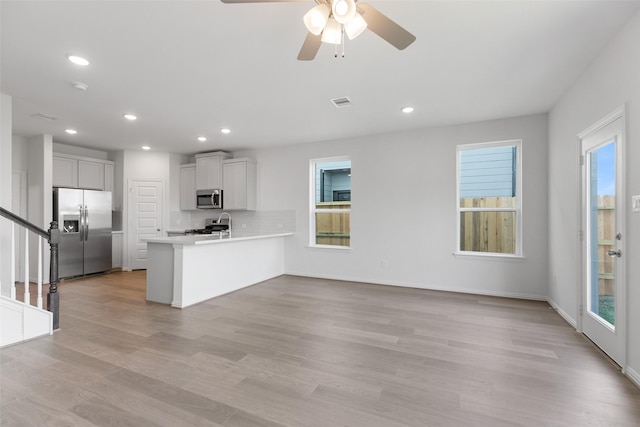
<point x="633" y="376"/>
<point x="423" y="286"/>
<point x="563" y="314"/>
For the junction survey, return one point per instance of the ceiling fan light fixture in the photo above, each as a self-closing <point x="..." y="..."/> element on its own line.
<point x="316" y="19"/>
<point x="332" y="32"/>
<point x="355" y="27"/>
<point x="343" y="10"/>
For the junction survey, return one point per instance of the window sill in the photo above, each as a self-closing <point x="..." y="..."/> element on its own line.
<point x="489" y="256"/>
<point x="330" y="248"/>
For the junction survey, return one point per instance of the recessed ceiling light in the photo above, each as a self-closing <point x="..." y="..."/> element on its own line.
<point x="146" y="147"/>
<point x="225" y="130"/>
<point x="202" y="139"/>
<point x="130" y="117"/>
<point x="71" y="131"/>
<point x="78" y="60"/>
<point x="407" y="110"/>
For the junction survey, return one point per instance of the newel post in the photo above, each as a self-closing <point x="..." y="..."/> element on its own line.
<point x="53" y="299"/>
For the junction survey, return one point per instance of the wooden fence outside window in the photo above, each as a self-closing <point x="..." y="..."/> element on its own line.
<point x="333" y="228"/>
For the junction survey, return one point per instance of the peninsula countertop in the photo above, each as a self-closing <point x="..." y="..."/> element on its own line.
<point x="206" y="239"/>
<point x="186" y="270"/>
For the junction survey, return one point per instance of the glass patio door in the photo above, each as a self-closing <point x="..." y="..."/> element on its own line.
<point x="603" y="293"/>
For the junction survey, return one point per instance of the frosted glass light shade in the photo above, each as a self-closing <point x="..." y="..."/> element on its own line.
<point x="316" y="19"/>
<point x="355" y="27"/>
<point x="343" y="10"/>
<point x="332" y="32"/>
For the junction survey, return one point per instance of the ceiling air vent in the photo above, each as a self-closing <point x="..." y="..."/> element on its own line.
<point x="45" y="116"/>
<point x="341" y="102"/>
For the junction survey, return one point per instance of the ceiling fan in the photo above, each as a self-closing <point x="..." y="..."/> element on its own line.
<point x="329" y="20"/>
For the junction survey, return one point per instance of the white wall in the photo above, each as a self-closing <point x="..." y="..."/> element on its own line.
<point x="5" y="192"/>
<point x="404" y="209"/>
<point x="40" y="196"/>
<point x="118" y="180"/>
<point x="611" y="81"/>
<point x="19" y="153"/>
<point x="143" y="165"/>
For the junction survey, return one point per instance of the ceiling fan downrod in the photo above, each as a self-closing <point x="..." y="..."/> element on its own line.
<point x="335" y="54"/>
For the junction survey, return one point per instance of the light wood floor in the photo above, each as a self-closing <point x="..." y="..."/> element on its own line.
<point x="296" y="351"/>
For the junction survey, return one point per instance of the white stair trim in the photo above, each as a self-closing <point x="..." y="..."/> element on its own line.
<point x="21" y="322"/>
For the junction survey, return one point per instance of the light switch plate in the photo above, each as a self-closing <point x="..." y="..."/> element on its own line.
<point x="635" y="204"/>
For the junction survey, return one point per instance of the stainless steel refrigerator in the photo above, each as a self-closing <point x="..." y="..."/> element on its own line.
<point x="84" y="220"/>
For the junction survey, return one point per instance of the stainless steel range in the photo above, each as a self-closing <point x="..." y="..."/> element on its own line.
<point x="220" y="226"/>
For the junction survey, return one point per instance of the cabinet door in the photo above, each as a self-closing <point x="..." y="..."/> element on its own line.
<point x="235" y="191"/>
<point x="65" y="172"/>
<point x="202" y="173"/>
<point x="188" y="188"/>
<point x="208" y="173"/>
<point x="90" y="175"/>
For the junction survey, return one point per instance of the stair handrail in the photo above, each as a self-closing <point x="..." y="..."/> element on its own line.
<point x="53" y="238"/>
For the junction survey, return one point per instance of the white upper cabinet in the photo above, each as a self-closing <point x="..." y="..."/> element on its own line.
<point x="239" y="184"/>
<point x="65" y="172"/>
<point x="209" y="170"/>
<point x="91" y="175"/>
<point x="188" y="187"/>
<point x="81" y="172"/>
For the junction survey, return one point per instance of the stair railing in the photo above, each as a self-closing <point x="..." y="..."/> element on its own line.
<point x="52" y="236"/>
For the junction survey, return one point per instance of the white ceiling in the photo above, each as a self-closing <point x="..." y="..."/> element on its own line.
<point x="189" y="68"/>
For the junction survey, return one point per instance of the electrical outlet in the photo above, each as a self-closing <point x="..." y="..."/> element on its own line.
<point x="635" y="204"/>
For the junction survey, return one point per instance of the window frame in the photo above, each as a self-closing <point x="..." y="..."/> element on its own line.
<point x="312" y="202"/>
<point x="517" y="209"/>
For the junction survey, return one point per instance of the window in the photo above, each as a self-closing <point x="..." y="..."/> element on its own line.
<point x="489" y="198"/>
<point x="330" y="222"/>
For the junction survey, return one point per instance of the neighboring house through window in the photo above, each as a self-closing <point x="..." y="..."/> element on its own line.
<point x="330" y="211"/>
<point x="489" y="198"/>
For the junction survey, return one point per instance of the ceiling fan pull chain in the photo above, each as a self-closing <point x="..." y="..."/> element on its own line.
<point x="342" y="38"/>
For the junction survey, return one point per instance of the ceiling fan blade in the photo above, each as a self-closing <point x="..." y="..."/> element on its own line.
<point x="259" y="1"/>
<point x="385" y="27"/>
<point x="310" y="47"/>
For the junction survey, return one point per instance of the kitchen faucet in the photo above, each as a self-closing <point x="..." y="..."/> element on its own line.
<point x="228" y="216"/>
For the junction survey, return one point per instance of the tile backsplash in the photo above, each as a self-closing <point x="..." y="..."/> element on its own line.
<point x="242" y="222"/>
<point x="179" y="220"/>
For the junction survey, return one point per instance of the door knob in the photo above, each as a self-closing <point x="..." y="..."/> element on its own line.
<point x="613" y="253"/>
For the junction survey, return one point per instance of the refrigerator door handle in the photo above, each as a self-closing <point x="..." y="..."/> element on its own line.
<point x="81" y="226"/>
<point x="86" y="223"/>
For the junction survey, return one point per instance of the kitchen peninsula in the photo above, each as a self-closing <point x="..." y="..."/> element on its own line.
<point x="186" y="270"/>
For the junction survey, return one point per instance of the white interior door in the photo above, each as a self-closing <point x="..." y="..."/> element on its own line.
<point x="146" y="204"/>
<point x="603" y="254"/>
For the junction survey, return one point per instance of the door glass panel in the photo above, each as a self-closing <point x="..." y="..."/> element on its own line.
<point x="602" y="234"/>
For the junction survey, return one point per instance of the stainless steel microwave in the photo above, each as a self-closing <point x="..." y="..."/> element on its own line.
<point x="209" y="199"/>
